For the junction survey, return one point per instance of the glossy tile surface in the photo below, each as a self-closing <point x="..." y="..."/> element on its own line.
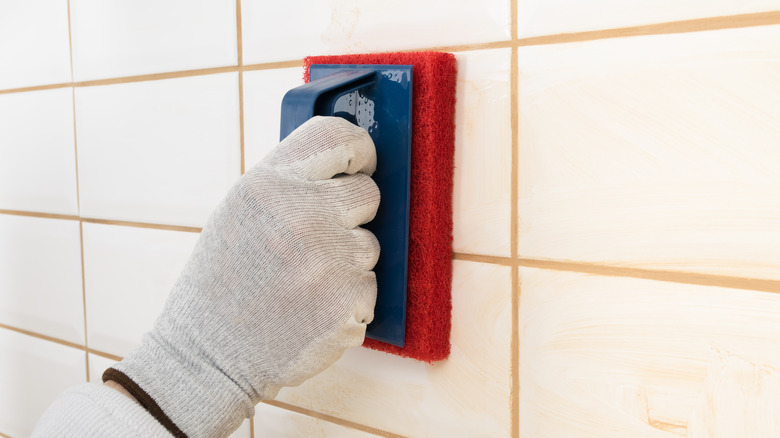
<point x="263" y="93"/>
<point x="657" y="152"/>
<point x="40" y="276"/>
<point x="35" y="48"/>
<point x="126" y="38"/>
<point x="129" y="273"/>
<point x="465" y="395"/>
<point x="483" y="153"/>
<point x="550" y="17"/>
<point x="33" y="372"/>
<point x="617" y="357"/>
<point x="351" y="26"/>
<point x="273" y="421"/>
<point x="37" y="152"/>
<point x="159" y="151"/>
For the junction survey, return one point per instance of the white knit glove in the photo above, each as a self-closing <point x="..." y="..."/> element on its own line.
<point x="278" y="286"/>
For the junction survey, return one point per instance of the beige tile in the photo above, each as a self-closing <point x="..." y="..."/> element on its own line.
<point x="33" y="373"/>
<point x="657" y="152"/>
<point x="37" y="152"/>
<point x="129" y="273"/>
<point x="483" y="153"/>
<point x="466" y="395"/>
<point x="271" y="421"/>
<point x="128" y="37"/>
<point x="263" y="93"/>
<point x="161" y="151"/>
<point x="40" y="276"/>
<point x="35" y="47"/>
<point x="293" y="29"/>
<point x="550" y="17"/>
<point x="617" y="357"/>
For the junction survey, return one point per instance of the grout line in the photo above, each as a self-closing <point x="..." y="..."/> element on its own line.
<point x="513" y="238"/>
<point x="68" y="217"/>
<point x="104" y="354"/>
<point x="78" y="196"/>
<point x="465" y="47"/>
<point x="752" y="284"/>
<point x="2" y="435"/>
<point x="157" y="76"/>
<point x="142" y="225"/>
<point x="694" y="278"/>
<point x="70" y="44"/>
<point x="272" y="65"/>
<point x="86" y="360"/>
<point x="76" y="149"/>
<point x="496" y="260"/>
<point x="84" y="292"/>
<point x="239" y="34"/>
<point x="36" y="88"/>
<point x="513" y="19"/>
<point x="252" y="427"/>
<point x="241" y="119"/>
<point x="239" y="45"/>
<point x="331" y="419"/>
<point x="43" y="337"/>
<point x="514" y="401"/>
<point x="670" y="27"/>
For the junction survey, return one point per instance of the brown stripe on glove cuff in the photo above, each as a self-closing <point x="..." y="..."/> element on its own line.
<point x="144" y="399"/>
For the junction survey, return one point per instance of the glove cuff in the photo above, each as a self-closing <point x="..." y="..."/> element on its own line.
<point x="188" y="397"/>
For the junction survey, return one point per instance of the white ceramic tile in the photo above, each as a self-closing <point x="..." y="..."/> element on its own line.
<point x="33" y="373"/>
<point x="37" y="152"/>
<point x="40" y="276"/>
<point x="653" y="151"/>
<point x="464" y="396"/>
<point x="618" y="357"/>
<point x="159" y="151"/>
<point x="263" y="93"/>
<point x="244" y="431"/>
<point x="129" y="273"/>
<point x="547" y="17"/>
<point x="125" y="38"/>
<point x="97" y="366"/>
<point x="272" y="421"/>
<point x="34" y="49"/>
<point x="294" y="29"/>
<point x="483" y="154"/>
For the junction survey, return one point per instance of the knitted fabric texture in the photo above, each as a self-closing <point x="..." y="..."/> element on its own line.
<point x="95" y="410"/>
<point x="278" y="285"/>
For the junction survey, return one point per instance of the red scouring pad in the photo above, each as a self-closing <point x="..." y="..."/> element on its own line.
<point x="429" y="304"/>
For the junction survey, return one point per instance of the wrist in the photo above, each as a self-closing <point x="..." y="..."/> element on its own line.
<point x="189" y="396"/>
<point x="116" y="386"/>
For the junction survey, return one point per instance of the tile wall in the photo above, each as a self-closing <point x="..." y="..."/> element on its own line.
<point x="616" y="213"/>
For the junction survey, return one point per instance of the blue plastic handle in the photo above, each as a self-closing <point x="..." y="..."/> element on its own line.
<point x="379" y="99"/>
<point x="317" y="97"/>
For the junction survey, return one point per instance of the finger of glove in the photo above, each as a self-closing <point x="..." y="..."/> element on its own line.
<point x="324" y="147"/>
<point x="363" y="310"/>
<point x="354" y="198"/>
<point x="364" y="248"/>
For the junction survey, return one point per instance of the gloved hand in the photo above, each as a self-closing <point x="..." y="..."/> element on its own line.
<point x="278" y="286"/>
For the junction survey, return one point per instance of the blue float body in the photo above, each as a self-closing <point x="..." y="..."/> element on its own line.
<point x="379" y="99"/>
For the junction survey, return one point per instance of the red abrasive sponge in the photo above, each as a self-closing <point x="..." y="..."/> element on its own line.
<point x="429" y="304"/>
